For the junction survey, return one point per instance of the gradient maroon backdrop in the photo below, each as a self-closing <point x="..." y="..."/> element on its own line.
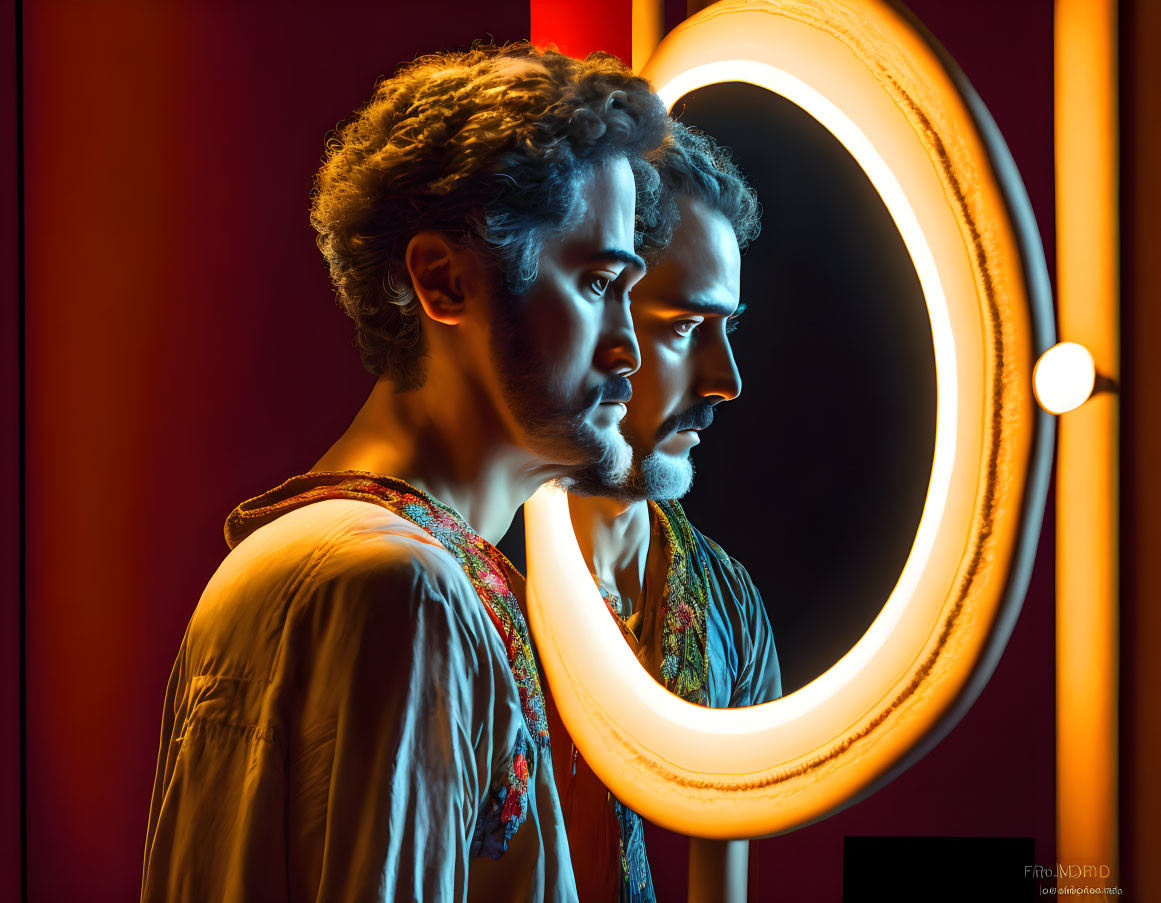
<point x="183" y="353"/>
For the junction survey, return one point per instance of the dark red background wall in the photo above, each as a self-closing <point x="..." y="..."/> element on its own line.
<point x="183" y="353"/>
<point x="10" y="453"/>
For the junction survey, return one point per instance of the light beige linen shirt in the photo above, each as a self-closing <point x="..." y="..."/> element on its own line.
<point x="339" y="710"/>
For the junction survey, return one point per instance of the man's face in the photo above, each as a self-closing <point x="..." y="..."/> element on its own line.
<point x="683" y="311"/>
<point x="563" y="350"/>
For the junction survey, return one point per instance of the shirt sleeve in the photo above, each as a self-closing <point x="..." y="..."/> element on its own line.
<point x="404" y="674"/>
<point x="759" y="675"/>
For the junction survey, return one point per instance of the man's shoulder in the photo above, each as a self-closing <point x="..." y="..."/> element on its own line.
<point x="336" y="537"/>
<point x="357" y="554"/>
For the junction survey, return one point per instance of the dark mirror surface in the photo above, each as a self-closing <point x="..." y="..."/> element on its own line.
<point x="815" y="478"/>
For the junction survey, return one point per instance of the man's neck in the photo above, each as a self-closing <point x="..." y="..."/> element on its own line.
<point x="449" y="444"/>
<point x="614" y="540"/>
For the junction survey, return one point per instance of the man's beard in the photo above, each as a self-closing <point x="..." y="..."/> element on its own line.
<point x="654" y="475"/>
<point x="556" y="425"/>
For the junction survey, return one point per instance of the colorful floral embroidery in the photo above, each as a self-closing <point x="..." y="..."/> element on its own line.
<point x="685" y="602"/>
<point x="506" y="807"/>
<point x="613" y="601"/>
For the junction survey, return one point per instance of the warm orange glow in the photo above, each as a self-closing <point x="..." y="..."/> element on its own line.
<point x="1087" y="464"/>
<point x="648" y="24"/>
<point x="877" y="86"/>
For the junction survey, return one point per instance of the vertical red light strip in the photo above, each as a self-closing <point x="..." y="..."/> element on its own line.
<point x="578" y="27"/>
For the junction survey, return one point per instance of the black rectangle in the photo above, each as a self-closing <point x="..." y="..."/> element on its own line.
<point x="945" y="869"/>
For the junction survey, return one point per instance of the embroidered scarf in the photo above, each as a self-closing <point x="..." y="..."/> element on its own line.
<point x="684" y="667"/>
<point x="684" y="604"/>
<point x="491" y="576"/>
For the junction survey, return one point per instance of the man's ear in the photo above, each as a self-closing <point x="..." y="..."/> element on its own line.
<point x="444" y="275"/>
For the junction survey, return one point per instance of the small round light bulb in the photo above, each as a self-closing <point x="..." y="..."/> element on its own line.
<point x="1064" y="377"/>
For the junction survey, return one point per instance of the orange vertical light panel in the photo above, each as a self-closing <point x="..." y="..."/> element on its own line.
<point x="648" y="30"/>
<point x="578" y="28"/>
<point x="1087" y="462"/>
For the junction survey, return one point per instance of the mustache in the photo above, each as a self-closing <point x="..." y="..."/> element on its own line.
<point x="696" y="417"/>
<point x="616" y="389"/>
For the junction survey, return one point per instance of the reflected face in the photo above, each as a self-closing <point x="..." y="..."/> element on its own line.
<point x="683" y="311"/>
<point x="564" y="349"/>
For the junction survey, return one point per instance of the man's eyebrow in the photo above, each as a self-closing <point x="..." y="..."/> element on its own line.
<point x="619" y="255"/>
<point x="709" y="306"/>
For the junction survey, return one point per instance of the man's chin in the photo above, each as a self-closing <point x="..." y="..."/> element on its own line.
<point x="664" y="476"/>
<point x="596" y="456"/>
<point x="657" y="476"/>
<point x="616" y="461"/>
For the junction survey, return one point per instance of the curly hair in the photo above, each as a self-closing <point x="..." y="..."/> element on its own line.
<point x="692" y="164"/>
<point x="487" y="145"/>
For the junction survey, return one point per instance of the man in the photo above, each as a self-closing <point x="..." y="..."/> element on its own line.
<point x="355" y="712"/>
<point x="690" y="611"/>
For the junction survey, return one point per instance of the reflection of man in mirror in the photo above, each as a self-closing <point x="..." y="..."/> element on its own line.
<point x="690" y="611"/>
<point x="355" y="712"/>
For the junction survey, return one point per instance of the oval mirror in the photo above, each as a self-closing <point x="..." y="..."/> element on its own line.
<point x="910" y="371"/>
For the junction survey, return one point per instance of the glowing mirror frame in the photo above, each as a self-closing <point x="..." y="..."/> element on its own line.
<point x="868" y="74"/>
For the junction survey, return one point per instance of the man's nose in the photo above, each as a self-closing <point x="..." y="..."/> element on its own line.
<point x="617" y="352"/>
<point x="720" y="377"/>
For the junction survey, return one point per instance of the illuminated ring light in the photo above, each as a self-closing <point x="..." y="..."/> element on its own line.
<point x="876" y="81"/>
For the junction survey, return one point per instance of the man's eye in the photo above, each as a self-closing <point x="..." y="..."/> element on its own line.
<point x="685" y="327"/>
<point x="600" y="284"/>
